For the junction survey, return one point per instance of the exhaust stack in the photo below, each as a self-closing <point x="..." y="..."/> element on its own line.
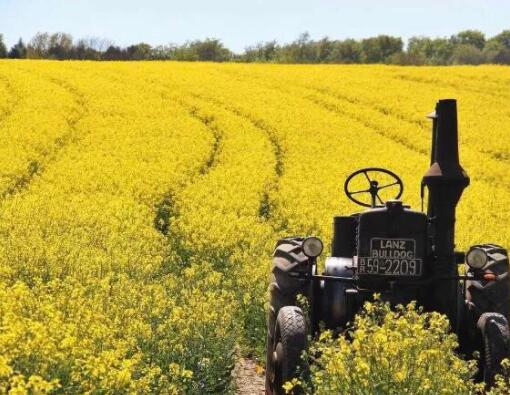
<point x="445" y="181"/>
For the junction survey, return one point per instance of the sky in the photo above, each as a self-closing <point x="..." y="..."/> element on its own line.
<point x="239" y="23"/>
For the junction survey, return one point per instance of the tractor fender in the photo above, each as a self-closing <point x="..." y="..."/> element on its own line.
<point x="334" y="298"/>
<point x="490" y="296"/>
<point x="288" y="258"/>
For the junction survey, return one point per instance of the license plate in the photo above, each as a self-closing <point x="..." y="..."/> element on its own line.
<point x="391" y="257"/>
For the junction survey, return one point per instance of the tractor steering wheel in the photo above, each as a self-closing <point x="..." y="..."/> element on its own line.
<point x="374" y="186"/>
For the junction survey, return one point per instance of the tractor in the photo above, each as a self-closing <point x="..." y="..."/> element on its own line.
<point x="399" y="253"/>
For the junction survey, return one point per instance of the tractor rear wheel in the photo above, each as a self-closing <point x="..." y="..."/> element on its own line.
<point x="496" y="345"/>
<point x="289" y="344"/>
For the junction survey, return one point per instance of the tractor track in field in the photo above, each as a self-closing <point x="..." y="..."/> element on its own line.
<point x="267" y="205"/>
<point x="495" y="155"/>
<point x="498" y="156"/>
<point x="369" y="106"/>
<point x="15" y="99"/>
<point x="336" y="109"/>
<point x="194" y="112"/>
<point x="372" y="128"/>
<point x="167" y="210"/>
<point x="258" y="124"/>
<point x="217" y="135"/>
<point x="247" y="377"/>
<point x="37" y="166"/>
<point x="428" y="82"/>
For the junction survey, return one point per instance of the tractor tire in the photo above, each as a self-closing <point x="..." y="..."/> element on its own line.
<point x="288" y="257"/>
<point x="496" y="345"/>
<point x="491" y="296"/>
<point x="289" y="345"/>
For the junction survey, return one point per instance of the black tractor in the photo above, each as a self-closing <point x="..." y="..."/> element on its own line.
<point x="402" y="254"/>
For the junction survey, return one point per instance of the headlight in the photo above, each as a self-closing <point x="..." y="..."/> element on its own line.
<point x="312" y="246"/>
<point x="476" y="258"/>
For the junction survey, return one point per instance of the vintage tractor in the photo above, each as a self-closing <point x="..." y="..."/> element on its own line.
<point x="399" y="253"/>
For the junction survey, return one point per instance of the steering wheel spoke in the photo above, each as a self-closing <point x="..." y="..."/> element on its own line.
<point x="389" y="185"/>
<point x="374" y="187"/>
<point x="363" y="191"/>
<point x="379" y="198"/>
<point x="366" y="175"/>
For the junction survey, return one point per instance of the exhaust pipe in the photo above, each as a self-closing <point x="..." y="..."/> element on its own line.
<point x="445" y="181"/>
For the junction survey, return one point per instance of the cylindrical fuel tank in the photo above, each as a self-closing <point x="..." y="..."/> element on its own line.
<point x="344" y="237"/>
<point x="334" y="300"/>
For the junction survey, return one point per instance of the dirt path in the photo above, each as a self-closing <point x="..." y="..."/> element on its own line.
<point x="248" y="377"/>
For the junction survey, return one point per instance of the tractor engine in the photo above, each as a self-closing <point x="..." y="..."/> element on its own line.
<point x="391" y="242"/>
<point x="386" y="247"/>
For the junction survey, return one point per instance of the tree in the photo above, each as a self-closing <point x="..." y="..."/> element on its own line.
<point x="90" y="48"/>
<point x="502" y="57"/>
<point x="379" y="49"/>
<point x="181" y="52"/>
<point x="466" y="47"/>
<point x="346" y="51"/>
<point x="114" y="53"/>
<point x="39" y="46"/>
<point x="209" y="50"/>
<point x="497" y="49"/>
<point x="3" y="48"/>
<point x="262" y="52"/>
<point x="18" y="50"/>
<point x="300" y="50"/>
<point x="467" y="54"/>
<point x="435" y="51"/>
<point x="442" y="51"/>
<point x="60" y="46"/>
<point x="407" y="59"/>
<point x="469" y="37"/>
<point x="84" y="49"/>
<point x="496" y="52"/>
<point x="141" y="51"/>
<point x="161" y="52"/>
<point x="323" y="50"/>
<point x="503" y="39"/>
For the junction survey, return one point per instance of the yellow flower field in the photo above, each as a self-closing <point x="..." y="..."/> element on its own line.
<point x="140" y="201"/>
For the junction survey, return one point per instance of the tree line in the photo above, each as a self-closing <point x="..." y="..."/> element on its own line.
<point x="466" y="47"/>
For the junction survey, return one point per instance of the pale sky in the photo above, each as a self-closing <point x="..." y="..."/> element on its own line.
<point x="241" y="23"/>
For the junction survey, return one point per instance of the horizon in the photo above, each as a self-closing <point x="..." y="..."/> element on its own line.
<point x="240" y="25"/>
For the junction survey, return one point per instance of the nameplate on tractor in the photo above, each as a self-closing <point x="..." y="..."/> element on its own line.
<point x="391" y="257"/>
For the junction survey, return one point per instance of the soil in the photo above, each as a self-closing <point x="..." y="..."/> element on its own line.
<point x="248" y="377"/>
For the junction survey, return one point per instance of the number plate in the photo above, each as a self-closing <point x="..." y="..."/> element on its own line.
<point x="391" y="257"/>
